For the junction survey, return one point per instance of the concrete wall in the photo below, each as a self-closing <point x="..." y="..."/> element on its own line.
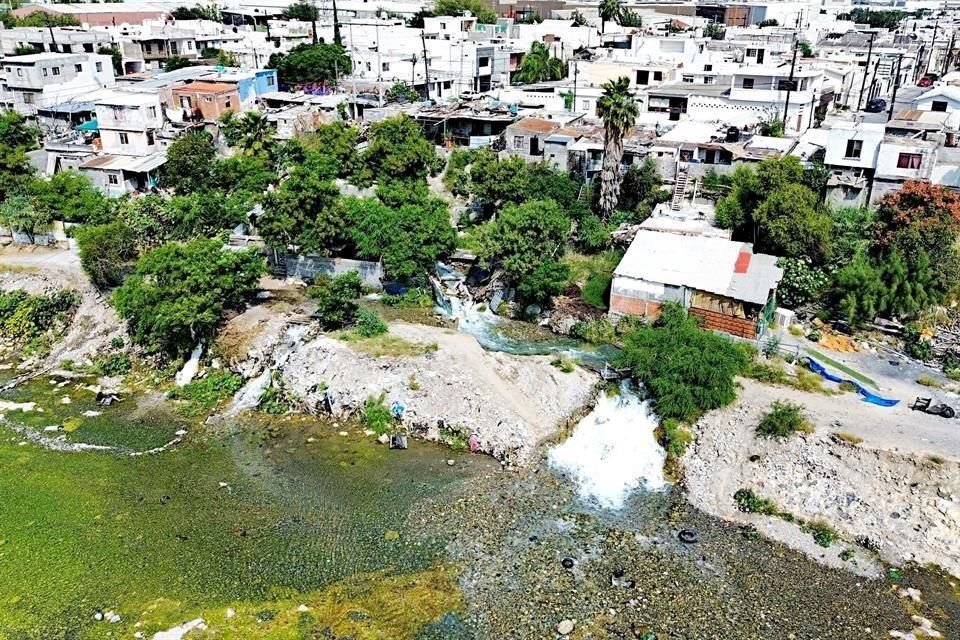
<point x="308" y="267"/>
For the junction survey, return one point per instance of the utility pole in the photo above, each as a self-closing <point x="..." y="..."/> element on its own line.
<point x="873" y="80"/>
<point x="426" y="62"/>
<point x="933" y="45"/>
<point x="896" y="85"/>
<point x="793" y="64"/>
<point x="866" y="69"/>
<point x="313" y="19"/>
<point x="949" y="56"/>
<point x="574" y="105"/>
<point x="337" y="39"/>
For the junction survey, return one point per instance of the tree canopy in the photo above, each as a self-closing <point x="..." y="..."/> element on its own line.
<point x="179" y="292"/>
<point x="397" y="150"/>
<point x="303" y="11"/>
<point x="105" y="251"/>
<point x="618" y="109"/>
<point x="539" y="65"/>
<point x="322" y="63"/>
<point x="189" y="160"/>
<point x="477" y="8"/>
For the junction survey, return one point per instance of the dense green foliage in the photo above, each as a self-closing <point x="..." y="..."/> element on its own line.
<point x="205" y="394"/>
<point x="26" y="318"/>
<point x="802" y="282"/>
<point x="783" y="420"/>
<point x="303" y="11"/>
<point x="70" y="197"/>
<point x="251" y="133"/>
<point x="401" y="92"/>
<point x="300" y="212"/>
<point x="16" y="138"/>
<point x="369" y="324"/>
<point x="105" y="252"/>
<point x="477" y="8"/>
<point x="38" y="18"/>
<point x="196" y="12"/>
<point x="398" y="151"/>
<point x="618" y="108"/>
<point x="687" y="370"/>
<point x="883" y="19"/>
<point x="539" y="65"/>
<point x="179" y="292"/>
<point x="336" y="299"/>
<point x="376" y="414"/>
<point x="188" y="163"/>
<point x="322" y="62"/>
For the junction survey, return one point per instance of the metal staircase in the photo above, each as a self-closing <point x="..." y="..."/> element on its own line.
<point x="679" y="191"/>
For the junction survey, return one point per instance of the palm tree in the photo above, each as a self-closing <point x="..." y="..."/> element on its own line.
<point x="538" y="65"/>
<point x="618" y="109"/>
<point x="251" y="133"/>
<point x="609" y="10"/>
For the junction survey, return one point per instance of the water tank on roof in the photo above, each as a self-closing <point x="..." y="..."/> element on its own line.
<point x="733" y="134"/>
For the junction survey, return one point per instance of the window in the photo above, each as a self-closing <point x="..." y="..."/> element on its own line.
<point x="67" y="48"/>
<point x="173" y="48"/>
<point x="28" y="98"/>
<point x="909" y="161"/>
<point x="939" y="105"/>
<point x="483" y="61"/>
<point x="88" y="47"/>
<point x="443" y="25"/>
<point x="78" y="68"/>
<point x="190" y="45"/>
<point x="585" y="105"/>
<point x="152" y="112"/>
<point x="747" y="83"/>
<point x="9" y="70"/>
<point x="208" y="98"/>
<point x="385" y="66"/>
<point x="518" y="142"/>
<point x="226" y="104"/>
<point x="658" y="75"/>
<point x="854" y="148"/>
<point x="150" y="138"/>
<point x="55" y="71"/>
<point x="751" y="53"/>
<point x="123" y="138"/>
<point x="369" y="68"/>
<point x="687" y="79"/>
<point x="20" y="72"/>
<point x="148" y="48"/>
<point x="112" y="178"/>
<point x="271" y="81"/>
<point x="709" y="80"/>
<point x="44" y="69"/>
<point x="99" y="67"/>
<point x="708" y="67"/>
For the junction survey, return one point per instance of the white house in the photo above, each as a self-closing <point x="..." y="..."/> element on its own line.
<point x="940" y="98"/>
<point x="47" y="79"/>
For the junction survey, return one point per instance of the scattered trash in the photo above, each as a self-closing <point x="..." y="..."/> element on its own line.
<point x="925" y="405"/>
<point x="65" y="400"/>
<point x="303" y="608"/>
<point x="383" y="439"/>
<point x="164" y="499"/>
<point x="178" y="432"/>
<point x="231" y="612"/>
<point x="91" y="414"/>
<point x="107" y="398"/>
<point x="565" y="627"/>
<point x="618" y="580"/>
<point x="398" y="441"/>
<point x="53" y="427"/>
<point x="223" y="485"/>
<point x="344" y="433"/>
<point x="688" y="536"/>
<point x="567" y="563"/>
<point x="474" y="444"/>
<point x="451" y="462"/>
<point x="397" y="409"/>
<point x="98" y="616"/>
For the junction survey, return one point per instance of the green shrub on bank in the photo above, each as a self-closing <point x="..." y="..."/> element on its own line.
<point x="206" y="393"/>
<point x="785" y="419"/>
<point x="369" y="324"/>
<point x="674" y="436"/>
<point x="25" y="318"/>
<point x="749" y="502"/>
<point x="376" y="414"/>
<point x="687" y="371"/>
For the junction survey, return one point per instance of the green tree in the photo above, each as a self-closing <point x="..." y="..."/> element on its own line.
<point x="482" y="12"/>
<point x="609" y="10"/>
<point x="409" y="240"/>
<point x="523" y="237"/>
<point x="19" y="213"/>
<point x="252" y="134"/>
<point x="116" y="57"/>
<point x="336" y="299"/>
<point x="70" y="196"/>
<point x="106" y="251"/>
<point x="402" y="92"/>
<point x="301" y="213"/>
<point x="539" y="65"/>
<point x="189" y="161"/>
<point x="176" y="62"/>
<point x="16" y="132"/>
<point x="641" y="183"/>
<point x="494" y="181"/>
<point x="204" y="213"/>
<point x="688" y="371"/>
<point x="40" y="18"/>
<point x="618" y="109"/>
<point x="196" y="12"/>
<point x="789" y="224"/>
<point x="322" y="62"/>
<point x="147" y="218"/>
<point x="179" y="293"/>
<point x="247" y="176"/>
<point x="852" y="233"/>
<point x="16" y="138"/>
<point x="331" y="150"/>
<point x="397" y="150"/>
<point x="715" y="31"/>
<point x="302" y="11"/>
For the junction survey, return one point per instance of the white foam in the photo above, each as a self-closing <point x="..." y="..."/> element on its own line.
<point x="613" y="451"/>
<point x="190" y="368"/>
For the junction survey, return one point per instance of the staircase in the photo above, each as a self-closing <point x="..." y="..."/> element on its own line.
<point x="679" y="191"/>
<point x="585" y="193"/>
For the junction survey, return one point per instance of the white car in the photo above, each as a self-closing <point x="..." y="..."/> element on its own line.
<point x="470" y="94"/>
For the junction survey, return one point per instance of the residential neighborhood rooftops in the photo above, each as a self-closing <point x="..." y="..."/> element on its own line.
<point x="134" y="164"/>
<point x="714" y="265"/>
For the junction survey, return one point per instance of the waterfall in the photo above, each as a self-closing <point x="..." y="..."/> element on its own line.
<point x="190" y="368"/>
<point x="249" y="395"/>
<point x="613" y="451"/>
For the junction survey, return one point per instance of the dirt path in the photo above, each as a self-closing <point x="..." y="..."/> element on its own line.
<point x="886" y="490"/>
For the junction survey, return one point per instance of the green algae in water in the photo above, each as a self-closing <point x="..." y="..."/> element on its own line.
<point x="218" y="520"/>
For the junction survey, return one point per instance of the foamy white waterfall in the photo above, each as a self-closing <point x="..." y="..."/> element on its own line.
<point x="613" y="451"/>
<point x="249" y="395"/>
<point x="190" y="368"/>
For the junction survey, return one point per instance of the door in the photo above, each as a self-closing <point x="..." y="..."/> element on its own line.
<point x="534" y="146"/>
<point x="759" y="56"/>
<point x="643" y="77"/>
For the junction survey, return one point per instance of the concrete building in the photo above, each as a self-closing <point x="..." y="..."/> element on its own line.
<point x="45" y="79"/>
<point x="206" y="101"/>
<point x="58" y="40"/>
<point x="721" y="281"/>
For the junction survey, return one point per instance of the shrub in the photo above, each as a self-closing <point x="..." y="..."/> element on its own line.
<point x="206" y="393"/>
<point x="916" y="345"/>
<point x="784" y="420"/>
<point x="412" y="299"/>
<point x="597" y="331"/>
<point x="336" y="299"/>
<point x="766" y="373"/>
<point x="823" y="533"/>
<point x="771" y="347"/>
<point x="564" y="363"/>
<point x="848" y="387"/>
<point x="276" y="399"/>
<point x="113" y="364"/>
<point x="24" y="318"/>
<point x="808" y="381"/>
<point x="814" y="335"/>
<point x="106" y="251"/>
<point x="596" y="289"/>
<point x="688" y="371"/>
<point x="674" y="436"/>
<point x="750" y="502"/>
<point x="928" y="381"/>
<point x="796" y="330"/>
<point x="849" y="438"/>
<point x="369" y="324"/>
<point x="376" y="414"/>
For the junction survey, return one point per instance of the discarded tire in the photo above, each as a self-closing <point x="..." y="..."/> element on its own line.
<point x="567" y="563"/>
<point x="688" y="536"/>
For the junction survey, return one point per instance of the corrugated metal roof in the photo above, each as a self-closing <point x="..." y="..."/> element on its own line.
<point x="134" y="164"/>
<point x="698" y="262"/>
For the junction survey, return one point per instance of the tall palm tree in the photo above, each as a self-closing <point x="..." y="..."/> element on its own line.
<point x="609" y="10"/>
<point x="618" y="109"/>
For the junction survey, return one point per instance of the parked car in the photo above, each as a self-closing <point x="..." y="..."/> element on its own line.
<point x="927" y="80"/>
<point x="876" y="105"/>
<point x="470" y="94"/>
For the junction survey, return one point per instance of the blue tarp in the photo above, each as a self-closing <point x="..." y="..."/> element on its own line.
<point x="868" y="395"/>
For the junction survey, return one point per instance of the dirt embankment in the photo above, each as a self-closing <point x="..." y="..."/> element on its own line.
<point x="905" y="502"/>
<point x="38" y="270"/>
<point x="508" y="403"/>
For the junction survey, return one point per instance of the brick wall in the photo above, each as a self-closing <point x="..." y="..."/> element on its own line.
<point x="740" y="327"/>
<point x="626" y="305"/>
